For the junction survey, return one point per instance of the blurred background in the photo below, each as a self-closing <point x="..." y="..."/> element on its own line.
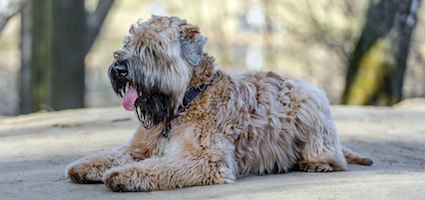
<point x="54" y="54"/>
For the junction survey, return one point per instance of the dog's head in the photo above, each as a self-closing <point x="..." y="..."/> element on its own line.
<point x="156" y="66"/>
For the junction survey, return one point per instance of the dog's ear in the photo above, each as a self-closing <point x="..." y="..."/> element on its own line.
<point x="192" y="43"/>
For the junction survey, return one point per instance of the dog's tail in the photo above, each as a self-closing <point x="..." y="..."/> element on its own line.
<point x="355" y="158"/>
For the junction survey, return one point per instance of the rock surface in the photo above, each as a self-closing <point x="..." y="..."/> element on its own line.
<point x="35" y="149"/>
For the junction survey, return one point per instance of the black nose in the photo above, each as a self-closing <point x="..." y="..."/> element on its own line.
<point x="121" y="69"/>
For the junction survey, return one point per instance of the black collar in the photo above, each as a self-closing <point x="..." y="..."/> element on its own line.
<point x="189" y="96"/>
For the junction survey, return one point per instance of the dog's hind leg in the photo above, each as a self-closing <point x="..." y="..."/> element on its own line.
<point x="316" y="131"/>
<point x="322" y="152"/>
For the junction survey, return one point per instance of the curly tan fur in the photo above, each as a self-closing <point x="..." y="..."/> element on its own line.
<point x="241" y="123"/>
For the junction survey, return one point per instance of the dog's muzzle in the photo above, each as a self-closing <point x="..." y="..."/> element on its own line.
<point x="151" y="108"/>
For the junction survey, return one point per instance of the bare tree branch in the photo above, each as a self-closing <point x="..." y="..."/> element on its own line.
<point x="95" y="21"/>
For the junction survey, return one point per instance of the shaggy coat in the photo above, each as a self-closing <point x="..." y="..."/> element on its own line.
<point x="240" y="124"/>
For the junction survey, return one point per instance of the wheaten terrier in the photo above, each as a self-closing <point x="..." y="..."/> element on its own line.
<point x="202" y="126"/>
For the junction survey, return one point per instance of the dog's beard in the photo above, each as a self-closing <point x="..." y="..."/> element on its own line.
<point x="153" y="108"/>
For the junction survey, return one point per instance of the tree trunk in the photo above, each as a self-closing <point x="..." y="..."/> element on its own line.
<point x="35" y="49"/>
<point x="376" y="69"/>
<point x="67" y="64"/>
<point x="55" y="37"/>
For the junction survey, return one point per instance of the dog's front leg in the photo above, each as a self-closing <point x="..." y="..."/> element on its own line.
<point x="167" y="173"/>
<point x="91" y="168"/>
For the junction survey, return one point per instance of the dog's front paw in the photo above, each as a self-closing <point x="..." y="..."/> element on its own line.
<point x="81" y="173"/>
<point x="120" y="180"/>
<point x="115" y="181"/>
<point x="86" y="170"/>
<point x="127" y="179"/>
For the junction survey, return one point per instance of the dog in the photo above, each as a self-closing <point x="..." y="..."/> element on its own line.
<point x="202" y="126"/>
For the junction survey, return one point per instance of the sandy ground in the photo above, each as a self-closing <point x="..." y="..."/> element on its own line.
<point x="35" y="149"/>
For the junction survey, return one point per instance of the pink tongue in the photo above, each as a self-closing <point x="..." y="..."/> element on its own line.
<point x="129" y="98"/>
